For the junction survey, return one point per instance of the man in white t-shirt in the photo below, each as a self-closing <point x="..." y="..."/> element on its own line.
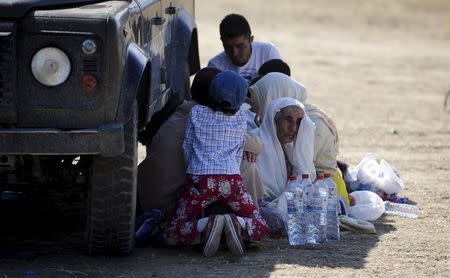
<point x="241" y="54"/>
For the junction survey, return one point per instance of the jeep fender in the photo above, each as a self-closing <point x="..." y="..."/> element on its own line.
<point x="185" y="48"/>
<point x="133" y="76"/>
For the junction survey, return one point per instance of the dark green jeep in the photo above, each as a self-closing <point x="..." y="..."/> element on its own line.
<point x="81" y="81"/>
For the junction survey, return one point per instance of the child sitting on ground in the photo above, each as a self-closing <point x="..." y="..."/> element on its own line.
<point x="213" y="147"/>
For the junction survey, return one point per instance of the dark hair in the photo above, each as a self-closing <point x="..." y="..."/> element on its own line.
<point x="274" y="65"/>
<point x="201" y="82"/>
<point x="222" y="107"/>
<point x="234" y="25"/>
<point x="254" y="80"/>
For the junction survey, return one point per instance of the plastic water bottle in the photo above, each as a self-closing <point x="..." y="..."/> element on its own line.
<point x="322" y="189"/>
<point x="404" y="210"/>
<point x="316" y="199"/>
<point x="332" y="215"/>
<point x="294" y="197"/>
<point x="302" y="201"/>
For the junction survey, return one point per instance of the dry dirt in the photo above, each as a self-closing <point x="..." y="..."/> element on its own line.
<point x="381" y="68"/>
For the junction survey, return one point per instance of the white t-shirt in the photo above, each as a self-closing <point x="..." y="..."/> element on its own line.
<point x="261" y="53"/>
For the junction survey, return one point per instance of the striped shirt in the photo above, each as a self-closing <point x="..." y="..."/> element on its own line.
<point x="213" y="141"/>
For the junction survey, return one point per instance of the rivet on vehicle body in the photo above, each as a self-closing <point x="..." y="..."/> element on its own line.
<point x="89" y="47"/>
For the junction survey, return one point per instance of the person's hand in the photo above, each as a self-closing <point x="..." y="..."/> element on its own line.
<point x="249" y="156"/>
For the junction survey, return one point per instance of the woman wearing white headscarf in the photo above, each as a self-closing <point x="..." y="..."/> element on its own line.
<point x="326" y="144"/>
<point x="288" y="137"/>
<point x="277" y="83"/>
<point x="284" y="157"/>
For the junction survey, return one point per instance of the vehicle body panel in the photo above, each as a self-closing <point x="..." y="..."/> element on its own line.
<point x="140" y="53"/>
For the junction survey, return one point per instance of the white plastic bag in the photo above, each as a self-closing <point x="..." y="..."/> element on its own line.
<point x="368" y="205"/>
<point x="369" y="171"/>
<point x="275" y="214"/>
<point x="282" y="205"/>
<point x="382" y="176"/>
<point x="390" y="181"/>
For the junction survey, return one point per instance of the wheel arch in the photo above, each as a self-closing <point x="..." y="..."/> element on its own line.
<point x="185" y="48"/>
<point x="135" y="84"/>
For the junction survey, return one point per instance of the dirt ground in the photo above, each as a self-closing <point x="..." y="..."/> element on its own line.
<point x="381" y="68"/>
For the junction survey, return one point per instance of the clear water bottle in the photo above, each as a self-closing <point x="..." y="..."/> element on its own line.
<point x="316" y="200"/>
<point x="404" y="210"/>
<point x="332" y="214"/>
<point x="294" y="197"/>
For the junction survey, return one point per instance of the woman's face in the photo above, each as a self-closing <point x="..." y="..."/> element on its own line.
<point x="287" y="123"/>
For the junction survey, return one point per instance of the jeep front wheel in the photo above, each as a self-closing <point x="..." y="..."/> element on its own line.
<point x="112" y="198"/>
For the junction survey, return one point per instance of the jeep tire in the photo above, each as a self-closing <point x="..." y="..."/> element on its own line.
<point x="112" y="198"/>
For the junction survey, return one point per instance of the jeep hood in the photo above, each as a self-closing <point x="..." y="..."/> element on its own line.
<point x="18" y="8"/>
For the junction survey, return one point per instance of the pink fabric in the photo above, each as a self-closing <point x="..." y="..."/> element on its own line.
<point x="204" y="190"/>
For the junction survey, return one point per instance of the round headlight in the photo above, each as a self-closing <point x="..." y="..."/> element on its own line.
<point x="50" y="66"/>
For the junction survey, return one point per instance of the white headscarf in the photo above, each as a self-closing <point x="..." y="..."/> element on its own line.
<point x="271" y="163"/>
<point x="275" y="85"/>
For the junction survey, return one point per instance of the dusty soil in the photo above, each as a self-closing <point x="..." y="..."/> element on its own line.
<point x="381" y="68"/>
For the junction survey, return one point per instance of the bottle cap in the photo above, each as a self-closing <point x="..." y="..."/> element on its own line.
<point x="292" y="178"/>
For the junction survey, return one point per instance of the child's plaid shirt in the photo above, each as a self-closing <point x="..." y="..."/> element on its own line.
<point x="213" y="141"/>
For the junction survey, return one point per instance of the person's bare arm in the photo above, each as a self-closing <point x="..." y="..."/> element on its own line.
<point x="252" y="148"/>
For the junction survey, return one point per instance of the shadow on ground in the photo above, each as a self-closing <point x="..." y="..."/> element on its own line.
<point x="37" y="240"/>
<point x="261" y="259"/>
